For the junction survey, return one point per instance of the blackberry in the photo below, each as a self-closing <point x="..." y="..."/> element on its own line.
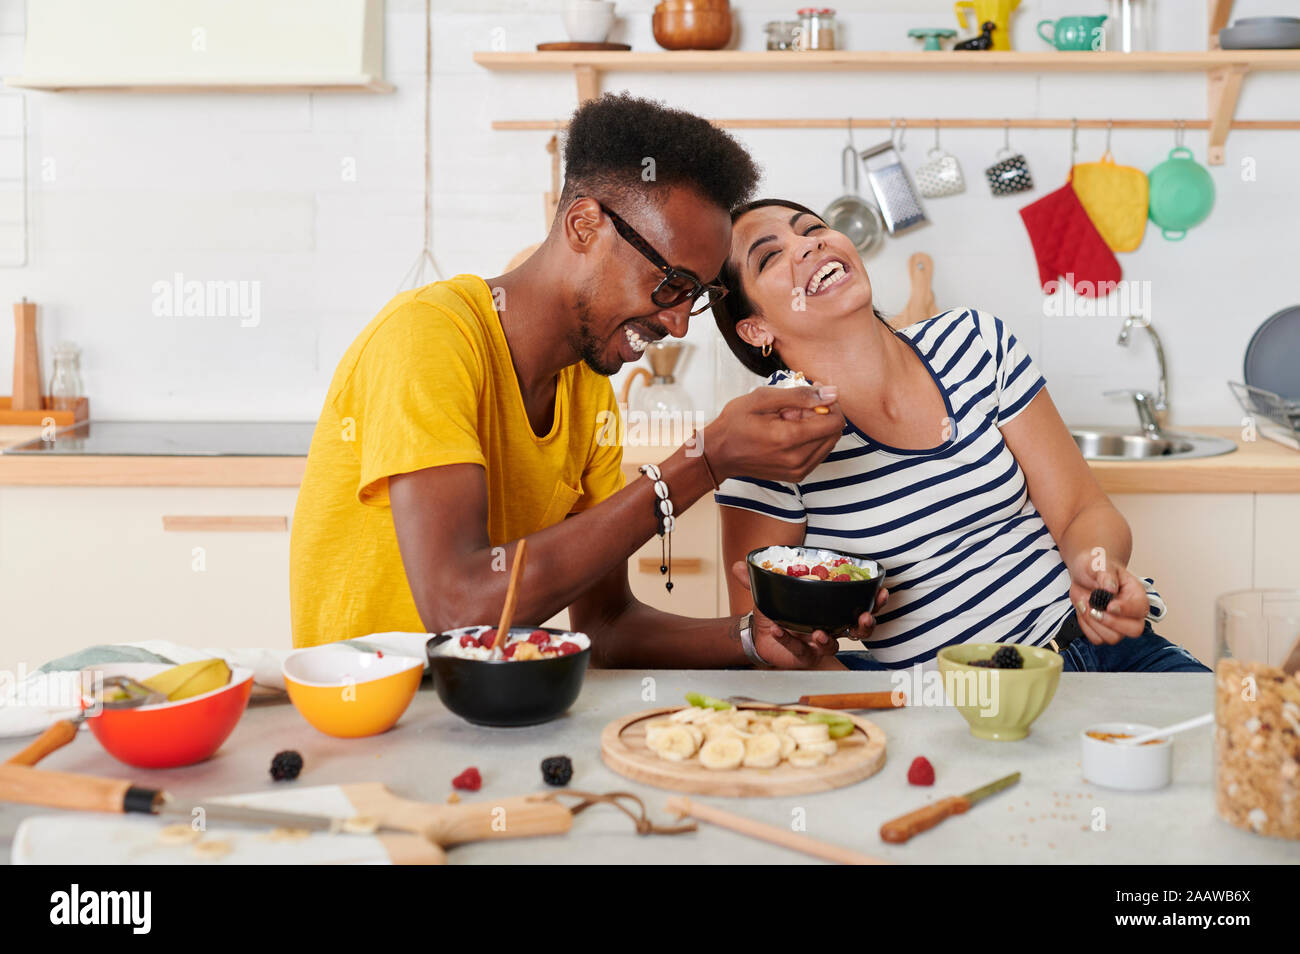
<point x="557" y="770"/>
<point x="1100" y="599"/>
<point x="286" y="766"/>
<point x="1008" y="657"/>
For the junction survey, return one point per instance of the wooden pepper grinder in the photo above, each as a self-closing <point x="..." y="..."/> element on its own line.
<point x="27" y="361"/>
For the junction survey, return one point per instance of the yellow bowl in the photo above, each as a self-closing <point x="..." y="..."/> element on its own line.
<point x="349" y="693"/>
<point x="999" y="704"/>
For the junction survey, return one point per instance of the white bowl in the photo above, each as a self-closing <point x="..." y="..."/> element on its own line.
<point x="588" y="21"/>
<point x="1133" y="768"/>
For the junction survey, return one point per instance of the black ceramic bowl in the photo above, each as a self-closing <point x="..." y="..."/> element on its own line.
<point x="500" y="692"/>
<point x="803" y="604"/>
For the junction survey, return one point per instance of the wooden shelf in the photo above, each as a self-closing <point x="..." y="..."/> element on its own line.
<point x="1223" y="69"/>
<point x="896" y="61"/>
<point x="156" y="84"/>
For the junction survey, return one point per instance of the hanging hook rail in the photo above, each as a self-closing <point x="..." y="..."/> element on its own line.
<point x="553" y="125"/>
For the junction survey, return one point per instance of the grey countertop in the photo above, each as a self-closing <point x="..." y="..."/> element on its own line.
<point x="1045" y="819"/>
<point x="175" y="439"/>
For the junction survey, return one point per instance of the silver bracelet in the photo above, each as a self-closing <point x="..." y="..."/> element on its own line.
<point x="747" y="641"/>
<point x="664" y="521"/>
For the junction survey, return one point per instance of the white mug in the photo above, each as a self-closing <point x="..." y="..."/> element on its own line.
<point x="939" y="175"/>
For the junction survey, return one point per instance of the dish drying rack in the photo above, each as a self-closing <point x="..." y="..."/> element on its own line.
<point x="1282" y="413"/>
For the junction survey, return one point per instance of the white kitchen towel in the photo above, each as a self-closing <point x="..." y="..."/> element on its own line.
<point x="31" y="702"/>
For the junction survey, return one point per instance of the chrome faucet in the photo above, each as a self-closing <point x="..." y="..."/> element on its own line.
<point x="1153" y="412"/>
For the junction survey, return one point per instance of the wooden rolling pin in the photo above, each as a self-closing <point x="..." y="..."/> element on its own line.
<point x="684" y="807"/>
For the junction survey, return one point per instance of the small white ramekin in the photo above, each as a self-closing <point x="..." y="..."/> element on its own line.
<point x="1134" y="768"/>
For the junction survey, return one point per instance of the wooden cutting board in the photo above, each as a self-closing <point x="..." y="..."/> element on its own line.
<point x="85" y="838"/>
<point x="920" y="306"/>
<point x="622" y="745"/>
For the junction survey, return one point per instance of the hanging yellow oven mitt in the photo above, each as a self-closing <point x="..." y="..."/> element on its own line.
<point x="1115" y="198"/>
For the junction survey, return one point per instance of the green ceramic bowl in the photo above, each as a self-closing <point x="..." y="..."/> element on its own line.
<point x="1181" y="194"/>
<point x="999" y="704"/>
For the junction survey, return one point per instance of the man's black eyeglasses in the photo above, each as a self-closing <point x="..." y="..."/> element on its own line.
<point x="679" y="284"/>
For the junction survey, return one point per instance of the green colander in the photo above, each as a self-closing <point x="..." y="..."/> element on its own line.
<point x="1181" y="194"/>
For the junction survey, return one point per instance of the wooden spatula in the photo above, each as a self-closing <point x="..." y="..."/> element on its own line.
<point x="512" y="596"/>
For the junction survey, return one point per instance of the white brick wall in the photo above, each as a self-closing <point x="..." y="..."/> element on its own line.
<point x="252" y="188"/>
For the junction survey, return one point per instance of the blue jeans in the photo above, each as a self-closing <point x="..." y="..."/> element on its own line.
<point x="1145" y="653"/>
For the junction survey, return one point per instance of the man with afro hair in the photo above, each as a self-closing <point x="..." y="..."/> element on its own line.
<point x="473" y="413"/>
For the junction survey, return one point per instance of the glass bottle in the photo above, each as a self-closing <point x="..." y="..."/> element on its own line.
<point x="1128" y="26"/>
<point x="65" y="386"/>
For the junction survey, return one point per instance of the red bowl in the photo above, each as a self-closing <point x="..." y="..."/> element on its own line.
<point x="174" y="733"/>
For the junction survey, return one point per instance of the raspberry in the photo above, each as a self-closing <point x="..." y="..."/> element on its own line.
<point x="286" y="766"/>
<point x="821" y="572"/>
<point x="839" y="561"/>
<point x="797" y="569"/>
<point x="539" y="637"/>
<point x="509" y="651"/>
<point x="488" y="638"/>
<point x="568" y="649"/>
<point x="557" y="770"/>
<point x="839" y="577"/>
<point x="468" y="642"/>
<point x="468" y="781"/>
<point x="921" y="771"/>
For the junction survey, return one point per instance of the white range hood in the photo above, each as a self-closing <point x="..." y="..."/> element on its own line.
<point x="204" y="45"/>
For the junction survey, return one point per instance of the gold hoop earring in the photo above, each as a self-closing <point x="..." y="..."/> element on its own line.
<point x="766" y="350"/>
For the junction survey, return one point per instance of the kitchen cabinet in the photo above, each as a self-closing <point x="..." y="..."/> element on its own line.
<point x="1277" y="541"/>
<point x="201" y="566"/>
<point x="1199" y="546"/>
<point x="699" y="588"/>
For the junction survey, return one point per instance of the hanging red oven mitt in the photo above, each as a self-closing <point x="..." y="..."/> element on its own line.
<point x="1066" y="243"/>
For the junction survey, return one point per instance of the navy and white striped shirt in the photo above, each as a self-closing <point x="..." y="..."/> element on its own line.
<point x="966" y="554"/>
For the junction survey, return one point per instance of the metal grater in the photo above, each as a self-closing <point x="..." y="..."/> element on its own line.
<point x="900" y="206"/>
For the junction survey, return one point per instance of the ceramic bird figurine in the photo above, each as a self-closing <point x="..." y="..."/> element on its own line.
<point x="982" y="42"/>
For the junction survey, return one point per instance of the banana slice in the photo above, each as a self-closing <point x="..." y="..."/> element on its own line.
<point x="657" y="725"/>
<point x="788" y="744"/>
<point x="689" y="714"/>
<point x="179" y="835"/>
<point x="827" y="748"/>
<point x="810" y="732"/>
<point x="726" y="752"/>
<point x="212" y="849"/>
<point x="803" y="758"/>
<point x="783" y="722"/>
<point x="675" y="744"/>
<point x="696" y="732"/>
<point x="717" y="729"/>
<point x="763" y="750"/>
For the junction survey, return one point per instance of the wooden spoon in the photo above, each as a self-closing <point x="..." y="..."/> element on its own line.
<point x="512" y="596"/>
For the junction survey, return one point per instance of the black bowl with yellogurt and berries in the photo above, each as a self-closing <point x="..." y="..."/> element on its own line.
<point x="804" y="589"/>
<point x="536" y="679"/>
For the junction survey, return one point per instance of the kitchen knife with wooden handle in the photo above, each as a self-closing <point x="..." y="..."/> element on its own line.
<point x="517" y="817"/>
<point x="901" y="829"/>
<point x="839" y="700"/>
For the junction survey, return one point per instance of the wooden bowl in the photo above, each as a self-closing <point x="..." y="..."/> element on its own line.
<point x="692" y="29"/>
<point x="692" y="5"/>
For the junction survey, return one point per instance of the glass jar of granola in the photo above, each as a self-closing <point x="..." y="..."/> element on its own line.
<point x="1257" y="711"/>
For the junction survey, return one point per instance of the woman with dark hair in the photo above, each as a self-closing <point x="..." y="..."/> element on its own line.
<point x="954" y="469"/>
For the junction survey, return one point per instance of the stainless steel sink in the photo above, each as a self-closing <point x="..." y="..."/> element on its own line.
<point x="1117" y="443"/>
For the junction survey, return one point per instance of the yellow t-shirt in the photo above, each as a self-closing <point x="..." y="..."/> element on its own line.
<point x="428" y="383"/>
